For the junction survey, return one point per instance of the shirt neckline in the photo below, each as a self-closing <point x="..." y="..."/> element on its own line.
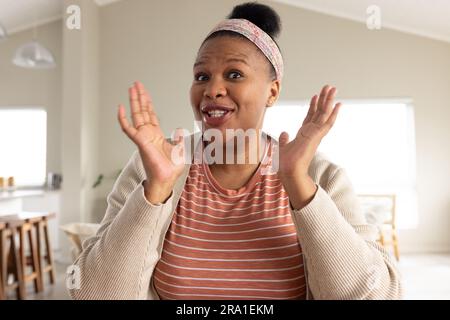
<point x="250" y="183"/>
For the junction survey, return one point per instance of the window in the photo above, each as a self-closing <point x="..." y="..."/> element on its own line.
<point x="23" y="146"/>
<point x="373" y="140"/>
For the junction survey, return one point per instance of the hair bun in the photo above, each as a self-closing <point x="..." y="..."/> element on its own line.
<point x="259" y="14"/>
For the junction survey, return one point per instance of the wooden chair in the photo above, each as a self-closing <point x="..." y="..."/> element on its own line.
<point x="41" y="256"/>
<point x="388" y="235"/>
<point x="32" y="229"/>
<point x="44" y="249"/>
<point x="27" y="234"/>
<point x="10" y="261"/>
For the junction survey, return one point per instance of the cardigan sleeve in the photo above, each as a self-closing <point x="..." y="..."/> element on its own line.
<point x="343" y="259"/>
<point x="117" y="263"/>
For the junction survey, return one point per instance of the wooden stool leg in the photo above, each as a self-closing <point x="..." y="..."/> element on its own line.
<point x="49" y="253"/>
<point x="22" y="257"/>
<point x="16" y="266"/>
<point x="34" y="260"/>
<point x="39" y="251"/>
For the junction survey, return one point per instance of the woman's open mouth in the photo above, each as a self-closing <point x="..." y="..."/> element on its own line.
<point x="215" y="115"/>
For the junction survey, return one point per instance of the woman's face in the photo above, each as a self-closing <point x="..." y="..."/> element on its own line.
<point x="232" y="85"/>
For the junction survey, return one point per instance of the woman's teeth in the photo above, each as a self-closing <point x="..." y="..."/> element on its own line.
<point x="217" y="113"/>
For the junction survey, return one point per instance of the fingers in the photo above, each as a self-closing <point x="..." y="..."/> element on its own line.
<point x="312" y="109"/>
<point x="136" y="113"/>
<point x="323" y="95"/>
<point x="321" y="112"/>
<point x="144" y="101"/>
<point x="327" y="105"/>
<point x="148" y="110"/>
<point x="142" y="111"/>
<point x="139" y="105"/>
<point x="150" y="101"/>
<point x="129" y="130"/>
<point x="332" y="119"/>
<point x="324" y="107"/>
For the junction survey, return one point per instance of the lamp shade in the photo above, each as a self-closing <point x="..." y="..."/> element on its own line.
<point x="34" y="55"/>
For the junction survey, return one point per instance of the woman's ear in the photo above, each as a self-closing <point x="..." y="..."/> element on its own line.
<point x="274" y="92"/>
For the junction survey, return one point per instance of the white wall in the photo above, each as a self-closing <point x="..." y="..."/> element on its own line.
<point x="156" y="42"/>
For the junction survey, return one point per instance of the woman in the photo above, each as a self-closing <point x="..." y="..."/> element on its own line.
<point x="221" y="230"/>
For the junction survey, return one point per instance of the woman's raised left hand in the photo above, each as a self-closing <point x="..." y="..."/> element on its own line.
<point x="296" y="155"/>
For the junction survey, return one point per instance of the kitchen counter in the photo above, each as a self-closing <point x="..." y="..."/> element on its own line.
<point x="7" y="195"/>
<point x="13" y="201"/>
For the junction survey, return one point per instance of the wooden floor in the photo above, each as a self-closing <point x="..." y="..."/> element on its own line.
<point x="424" y="277"/>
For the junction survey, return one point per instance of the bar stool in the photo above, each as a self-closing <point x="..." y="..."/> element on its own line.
<point x="44" y="252"/>
<point x="10" y="261"/>
<point x="26" y="234"/>
<point x="32" y="229"/>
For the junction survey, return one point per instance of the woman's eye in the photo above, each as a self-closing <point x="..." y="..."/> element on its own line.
<point x="235" y="75"/>
<point x="204" y="77"/>
<point x="201" y="77"/>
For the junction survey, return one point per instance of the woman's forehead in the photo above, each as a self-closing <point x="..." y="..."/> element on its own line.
<point x="228" y="49"/>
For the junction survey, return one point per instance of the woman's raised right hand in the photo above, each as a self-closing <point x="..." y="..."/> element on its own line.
<point x="156" y="152"/>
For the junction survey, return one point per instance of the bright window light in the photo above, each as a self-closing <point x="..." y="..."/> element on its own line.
<point x="373" y="140"/>
<point x="23" y="146"/>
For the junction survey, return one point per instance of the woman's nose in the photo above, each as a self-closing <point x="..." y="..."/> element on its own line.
<point x="215" y="89"/>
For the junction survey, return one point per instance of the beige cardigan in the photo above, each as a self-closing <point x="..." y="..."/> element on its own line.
<point x="343" y="261"/>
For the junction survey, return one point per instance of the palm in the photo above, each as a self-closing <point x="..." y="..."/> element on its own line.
<point x="296" y="155"/>
<point x="156" y="152"/>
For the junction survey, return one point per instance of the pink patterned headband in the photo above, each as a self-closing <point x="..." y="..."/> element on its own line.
<point x="256" y="35"/>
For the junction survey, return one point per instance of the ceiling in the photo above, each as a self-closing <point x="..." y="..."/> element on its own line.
<point x="428" y="18"/>
<point x="18" y="15"/>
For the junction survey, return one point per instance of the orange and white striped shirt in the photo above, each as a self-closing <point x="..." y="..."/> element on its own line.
<point x="231" y="244"/>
